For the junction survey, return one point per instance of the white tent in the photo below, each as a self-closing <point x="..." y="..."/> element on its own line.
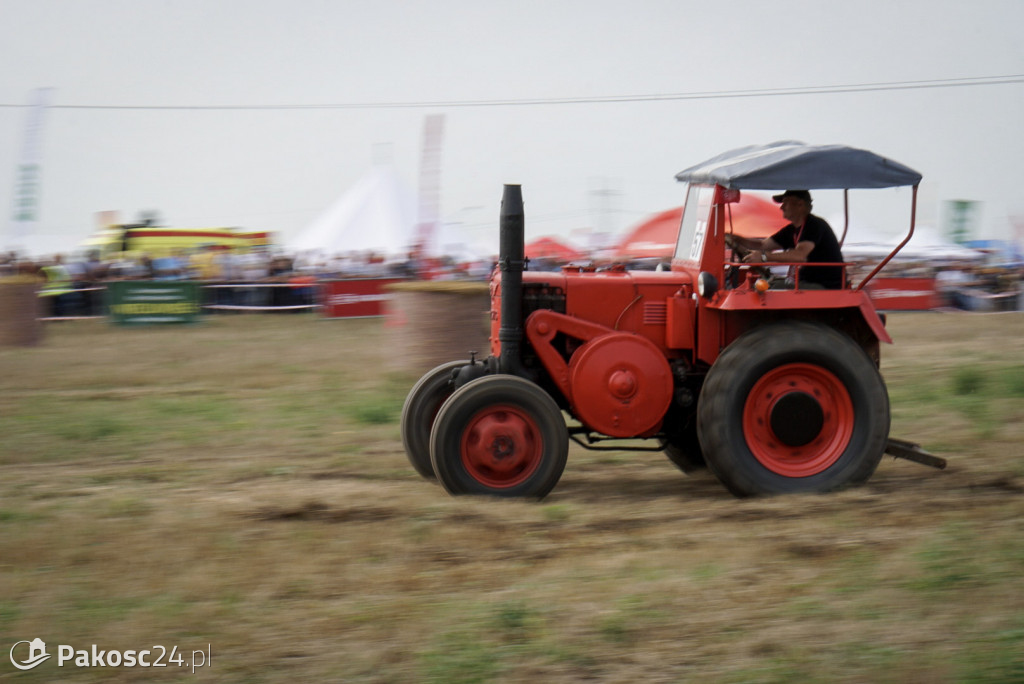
<point x="377" y="214"/>
<point x="453" y="240"/>
<point x="927" y="244"/>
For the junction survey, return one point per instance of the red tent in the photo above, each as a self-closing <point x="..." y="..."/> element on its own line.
<point x="550" y="248"/>
<point x="752" y="216"/>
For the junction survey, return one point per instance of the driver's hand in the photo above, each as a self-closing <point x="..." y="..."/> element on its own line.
<point x="753" y="258"/>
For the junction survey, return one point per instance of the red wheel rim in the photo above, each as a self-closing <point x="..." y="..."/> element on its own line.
<point x="501" y="446"/>
<point x="780" y="396"/>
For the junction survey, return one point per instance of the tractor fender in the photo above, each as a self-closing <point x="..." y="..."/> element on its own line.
<point x="803" y="301"/>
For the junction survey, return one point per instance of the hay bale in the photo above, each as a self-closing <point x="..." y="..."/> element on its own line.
<point x="432" y="322"/>
<point x="20" y="311"/>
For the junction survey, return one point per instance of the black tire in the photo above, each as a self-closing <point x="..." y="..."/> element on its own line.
<point x="683" y="447"/>
<point x="686" y="458"/>
<point x="499" y="435"/>
<point x="419" y="411"/>
<point x="793" y="407"/>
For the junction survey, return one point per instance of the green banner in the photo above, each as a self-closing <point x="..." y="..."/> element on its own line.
<point x="144" y="302"/>
<point x="961" y="224"/>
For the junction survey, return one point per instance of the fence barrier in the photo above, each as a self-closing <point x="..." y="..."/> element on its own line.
<point x="153" y="301"/>
<point x="368" y="297"/>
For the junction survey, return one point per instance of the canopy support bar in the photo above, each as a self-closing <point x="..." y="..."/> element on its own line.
<point x="846" y="215"/>
<point x="879" y="267"/>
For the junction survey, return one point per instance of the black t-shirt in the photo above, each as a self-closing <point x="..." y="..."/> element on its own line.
<point x="826" y="250"/>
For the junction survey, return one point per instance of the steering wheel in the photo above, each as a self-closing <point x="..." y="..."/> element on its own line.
<point x="739" y="253"/>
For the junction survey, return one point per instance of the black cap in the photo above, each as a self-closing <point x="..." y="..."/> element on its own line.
<point x="799" y="194"/>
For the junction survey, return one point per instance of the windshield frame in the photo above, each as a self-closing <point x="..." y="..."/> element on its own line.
<point x="693" y="225"/>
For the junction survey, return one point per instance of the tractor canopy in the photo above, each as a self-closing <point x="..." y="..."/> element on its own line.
<point x="796" y="165"/>
<point x="791" y="164"/>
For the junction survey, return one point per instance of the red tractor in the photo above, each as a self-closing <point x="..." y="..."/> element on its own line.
<point x="774" y="390"/>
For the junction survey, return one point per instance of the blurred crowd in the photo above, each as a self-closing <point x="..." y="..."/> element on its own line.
<point x="265" y="278"/>
<point x="975" y="287"/>
<point x="207" y="264"/>
<point x="249" y="278"/>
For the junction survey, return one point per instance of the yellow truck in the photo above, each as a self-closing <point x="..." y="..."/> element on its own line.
<point x="161" y="241"/>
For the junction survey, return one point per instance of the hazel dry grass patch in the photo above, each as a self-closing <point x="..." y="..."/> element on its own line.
<point x="241" y="484"/>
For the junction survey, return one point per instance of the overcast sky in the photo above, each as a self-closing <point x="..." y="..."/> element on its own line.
<point x="587" y="164"/>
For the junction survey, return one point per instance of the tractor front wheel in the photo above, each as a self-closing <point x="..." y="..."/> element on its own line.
<point x="793" y="407"/>
<point x="683" y="447"/>
<point x="419" y="411"/>
<point x="499" y="435"/>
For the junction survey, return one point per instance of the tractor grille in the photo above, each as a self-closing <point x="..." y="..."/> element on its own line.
<point x="537" y="296"/>
<point x="655" y="313"/>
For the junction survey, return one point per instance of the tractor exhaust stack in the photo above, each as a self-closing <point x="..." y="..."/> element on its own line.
<point x="512" y="262"/>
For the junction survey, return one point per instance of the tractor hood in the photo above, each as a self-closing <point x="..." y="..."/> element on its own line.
<point x="791" y="164"/>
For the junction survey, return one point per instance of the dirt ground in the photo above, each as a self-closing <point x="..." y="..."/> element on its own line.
<point x="296" y="543"/>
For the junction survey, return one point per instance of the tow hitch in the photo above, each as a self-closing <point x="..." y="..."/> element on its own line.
<point x="898" y="448"/>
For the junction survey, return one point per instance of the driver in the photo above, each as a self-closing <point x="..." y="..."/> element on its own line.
<point x="806" y="239"/>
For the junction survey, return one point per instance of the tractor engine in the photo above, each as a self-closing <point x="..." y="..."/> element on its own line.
<point x="613" y="380"/>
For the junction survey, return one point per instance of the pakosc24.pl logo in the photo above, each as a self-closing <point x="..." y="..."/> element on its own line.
<point x="28" y="657"/>
<point x="36" y="654"/>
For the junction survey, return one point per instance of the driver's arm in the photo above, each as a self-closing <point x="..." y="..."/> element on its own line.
<point x="799" y="253"/>
<point x="773" y="251"/>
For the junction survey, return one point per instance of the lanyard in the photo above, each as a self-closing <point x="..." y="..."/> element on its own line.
<point x="791" y="272"/>
<point x="799" y="233"/>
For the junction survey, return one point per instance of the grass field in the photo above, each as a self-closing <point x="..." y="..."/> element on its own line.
<point x="239" y="487"/>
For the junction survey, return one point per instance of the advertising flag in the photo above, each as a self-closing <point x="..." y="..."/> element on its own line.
<point x="961" y="220"/>
<point x="28" y="173"/>
<point x="430" y="181"/>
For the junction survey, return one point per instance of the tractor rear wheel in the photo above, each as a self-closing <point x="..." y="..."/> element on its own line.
<point x="419" y="411"/>
<point x="499" y="435"/>
<point x="793" y="407"/>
